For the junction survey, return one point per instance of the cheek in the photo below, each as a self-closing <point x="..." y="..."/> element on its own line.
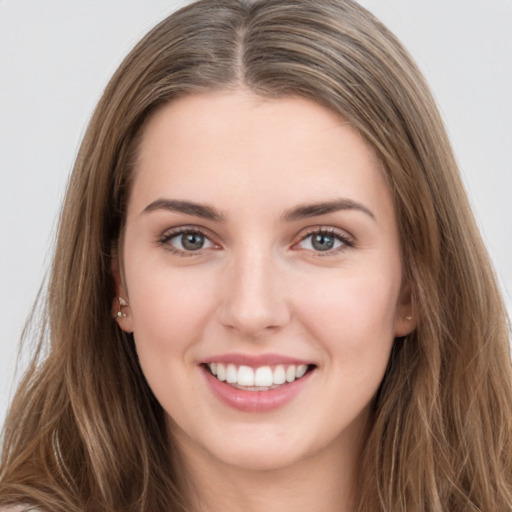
<point x="170" y="308"/>
<point x="170" y="312"/>
<point x="352" y="320"/>
<point x="353" y="311"/>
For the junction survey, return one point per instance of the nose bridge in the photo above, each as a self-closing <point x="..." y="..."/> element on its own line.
<point x="253" y="297"/>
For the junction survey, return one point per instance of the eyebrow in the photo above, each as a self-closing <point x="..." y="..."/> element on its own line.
<point x="297" y="213"/>
<point x="186" y="207"/>
<point x="323" y="208"/>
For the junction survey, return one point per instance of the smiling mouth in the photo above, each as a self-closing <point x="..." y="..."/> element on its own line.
<point x="262" y="378"/>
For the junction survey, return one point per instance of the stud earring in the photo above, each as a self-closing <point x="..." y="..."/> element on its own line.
<point x="122" y="303"/>
<point x="408" y="318"/>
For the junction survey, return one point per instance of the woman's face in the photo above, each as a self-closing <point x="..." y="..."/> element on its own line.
<point x="261" y="264"/>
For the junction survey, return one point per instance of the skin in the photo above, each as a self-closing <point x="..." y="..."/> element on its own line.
<point x="260" y="286"/>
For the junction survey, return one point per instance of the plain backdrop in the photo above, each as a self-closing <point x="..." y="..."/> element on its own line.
<point x="56" y="57"/>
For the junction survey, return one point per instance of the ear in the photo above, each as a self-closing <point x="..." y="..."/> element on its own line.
<point x="406" y="320"/>
<point x="121" y="305"/>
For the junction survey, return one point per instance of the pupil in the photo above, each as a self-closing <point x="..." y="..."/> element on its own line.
<point x="192" y="241"/>
<point x="323" y="242"/>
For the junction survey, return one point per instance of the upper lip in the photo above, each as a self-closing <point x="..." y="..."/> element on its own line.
<point x="255" y="360"/>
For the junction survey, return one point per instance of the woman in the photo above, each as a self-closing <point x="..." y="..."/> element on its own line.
<point x="268" y="290"/>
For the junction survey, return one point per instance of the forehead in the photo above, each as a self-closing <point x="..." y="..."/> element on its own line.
<point x="231" y="145"/>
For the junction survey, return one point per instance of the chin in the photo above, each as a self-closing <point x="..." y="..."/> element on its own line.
<point x="260" y="458"/>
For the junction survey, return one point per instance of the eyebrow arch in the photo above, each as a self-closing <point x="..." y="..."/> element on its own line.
<point x="323" y="208"/>
<point x="186" y="207"/>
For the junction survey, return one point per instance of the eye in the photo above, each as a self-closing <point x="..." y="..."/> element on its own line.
<point x="186" y="241"/>
<point x="324" y="241"/>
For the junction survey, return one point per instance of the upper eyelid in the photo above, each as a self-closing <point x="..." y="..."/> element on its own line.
<point x="342" y="233"/>
<point x="178" y="230"/>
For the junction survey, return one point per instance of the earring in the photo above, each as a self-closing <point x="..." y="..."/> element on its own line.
<point x="122" y="303"/>
<point x="408" y="318"/>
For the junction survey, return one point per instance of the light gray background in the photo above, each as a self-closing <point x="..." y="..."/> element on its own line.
<point x="56" y="57"/>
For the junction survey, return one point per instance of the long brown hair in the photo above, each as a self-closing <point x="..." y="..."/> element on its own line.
<point x="85" y="433"/>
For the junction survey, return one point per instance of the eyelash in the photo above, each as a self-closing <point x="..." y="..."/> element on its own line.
<point x="346" y="241"/>
<point x="169" y="235"/>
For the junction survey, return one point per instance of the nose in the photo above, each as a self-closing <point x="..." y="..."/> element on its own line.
<point x="253" y="294"/>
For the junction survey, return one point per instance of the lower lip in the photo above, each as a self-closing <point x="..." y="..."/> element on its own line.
<point x="256" y="401"/>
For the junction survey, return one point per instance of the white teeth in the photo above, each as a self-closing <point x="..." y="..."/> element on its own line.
<point x="301" y="370"/>
<point x="245" y="376"/>
<point x="279" y="375"/>
<point x="261" y="377"/>
<point x="221" y="372"/>
<point x="231" y="374"/>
